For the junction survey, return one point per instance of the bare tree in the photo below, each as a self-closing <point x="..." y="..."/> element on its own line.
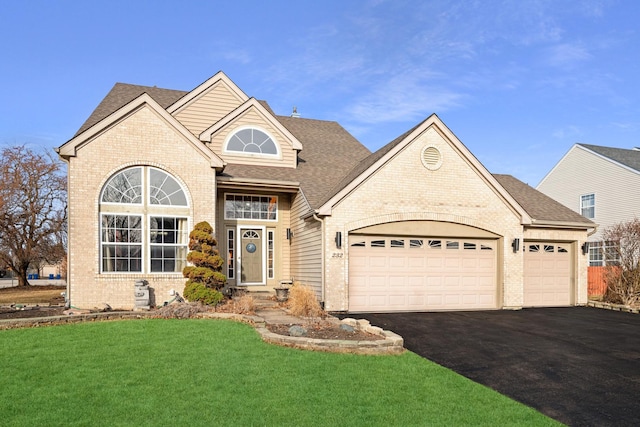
<point x="622" y="271"/>
<point x="33" y="210"/>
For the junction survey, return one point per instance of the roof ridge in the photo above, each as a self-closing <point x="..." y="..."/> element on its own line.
<point x="625" y="157"/>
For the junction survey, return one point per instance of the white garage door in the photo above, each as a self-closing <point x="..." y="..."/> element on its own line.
<point x="417" y="274"/>
<point x="547" y="274"/>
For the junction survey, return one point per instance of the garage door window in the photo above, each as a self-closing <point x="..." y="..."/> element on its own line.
<point x="397" y="243"/>
<point x="415" y="243"/>
<point x="453" y="245"/>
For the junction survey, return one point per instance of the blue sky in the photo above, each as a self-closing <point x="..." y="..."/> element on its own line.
<point x="519" y="82"/>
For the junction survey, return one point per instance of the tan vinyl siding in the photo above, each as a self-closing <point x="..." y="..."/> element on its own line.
<point x="208" y="108"/>
<point x="283" y="246"/>
<point x="252" y="117"/>
<point x="306" y="247"/>
<point x="581" y="172"/>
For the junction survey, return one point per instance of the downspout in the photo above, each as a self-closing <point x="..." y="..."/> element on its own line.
<point x="67" y="296"/>
<point x="322" y="259"/>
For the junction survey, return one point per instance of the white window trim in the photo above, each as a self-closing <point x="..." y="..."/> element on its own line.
<point x="232" y="275"/>
<point x="224" y="207"/>
<point x="144" y="210"/>
<point x="583" y="206"/>
<point x="104" y="187"/>
<point x="141" y="243"/>
<point x="271" y="237"/>
<point x="147" y="245"/>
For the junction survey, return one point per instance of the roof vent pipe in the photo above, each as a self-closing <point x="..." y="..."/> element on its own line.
<point x="295" y="113"/>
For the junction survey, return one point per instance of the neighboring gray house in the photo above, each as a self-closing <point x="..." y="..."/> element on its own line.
<point x="599" y="182"/>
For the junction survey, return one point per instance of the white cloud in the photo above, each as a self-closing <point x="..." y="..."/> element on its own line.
<point x="403" y="98"/>
<point x="568" y="55"/>
<point x="237" y="55"/>
<point x="567" y="132"/>
<point x="626" y="126"/>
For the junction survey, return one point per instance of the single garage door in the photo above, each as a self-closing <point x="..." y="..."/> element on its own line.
<point x="547" y="274"/>
<point x="389" y="273"/>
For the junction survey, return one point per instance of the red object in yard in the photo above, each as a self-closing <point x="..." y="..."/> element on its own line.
<point x="595" y="280"/>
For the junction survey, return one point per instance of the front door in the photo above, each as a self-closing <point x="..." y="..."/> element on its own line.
<point x="252" y="258"/>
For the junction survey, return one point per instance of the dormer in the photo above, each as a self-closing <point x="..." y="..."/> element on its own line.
<point x="251" y="135"/>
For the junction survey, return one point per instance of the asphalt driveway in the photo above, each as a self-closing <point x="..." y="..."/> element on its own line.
<point x="578" y="365"/>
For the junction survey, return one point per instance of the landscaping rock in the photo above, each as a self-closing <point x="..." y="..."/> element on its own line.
<point x="297" y="331"/>
<point x="347" y="328"/>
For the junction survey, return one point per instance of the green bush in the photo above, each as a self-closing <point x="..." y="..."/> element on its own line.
<point x="194" y="291"/>
<point x="205" y="275"/>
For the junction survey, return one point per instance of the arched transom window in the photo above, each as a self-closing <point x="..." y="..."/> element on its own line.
<point x="251" y="141"/>
<point x="144" y="217"/>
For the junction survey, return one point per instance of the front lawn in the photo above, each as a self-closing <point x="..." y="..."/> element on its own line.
<point x="214" y="372"/>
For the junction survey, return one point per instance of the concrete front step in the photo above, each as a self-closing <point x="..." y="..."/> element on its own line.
<point x="262" y="299"/>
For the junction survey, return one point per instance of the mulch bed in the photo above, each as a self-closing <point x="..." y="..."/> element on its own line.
<point x="30" y="312"/>
<point x="319" y="330"/>
<point x="326" y="331"/>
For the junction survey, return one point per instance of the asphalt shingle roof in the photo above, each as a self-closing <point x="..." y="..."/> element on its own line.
<point x="629" y="158"/>
<point x="122" y="93"/>
<point x="331" y="157"/>
<point x="539" y="206"/>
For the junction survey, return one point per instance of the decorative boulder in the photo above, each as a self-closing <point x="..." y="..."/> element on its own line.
<point x="297" y="331"/>
<point x="347" y="328"/>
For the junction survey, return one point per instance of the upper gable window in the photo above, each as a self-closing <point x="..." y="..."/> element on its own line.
<point x="252" y="141"/>
<point x="588" y="205"/>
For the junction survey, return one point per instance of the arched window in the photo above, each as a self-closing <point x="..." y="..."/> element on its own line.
<point x="251" y="141"/>
<point x="143" y="222"/>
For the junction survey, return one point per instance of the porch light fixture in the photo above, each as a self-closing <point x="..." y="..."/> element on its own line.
<point x="585" y="248"/>
<point x="338" y="239"/>
<point x="515" y="245"/>
<point x="289" y="234"/>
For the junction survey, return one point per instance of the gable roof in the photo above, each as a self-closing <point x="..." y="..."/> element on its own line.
<point x="543" y="209"/>
<point x="628" y="158"/>
<point x="333" y="160"/>
<point x="203" y="88"/>
<point x="69" y="148"/>
<point x="329" y="153"/>
<point x="254" y="104"/>
<point x="376" y="160"/>
<point x="122" y="93"/>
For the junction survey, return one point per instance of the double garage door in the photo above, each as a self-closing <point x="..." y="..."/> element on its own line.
<point x="399" y="273"/>
<point x="388" y="273"/>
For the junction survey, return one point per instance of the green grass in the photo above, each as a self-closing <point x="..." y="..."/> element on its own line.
<point x="214" y="372"/>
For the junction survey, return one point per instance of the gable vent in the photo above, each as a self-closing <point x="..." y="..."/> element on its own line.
<point x="431" y="158"/>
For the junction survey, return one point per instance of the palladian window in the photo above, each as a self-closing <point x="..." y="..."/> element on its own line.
<point x="251" y="141"/>
<point x="143" y="223"/>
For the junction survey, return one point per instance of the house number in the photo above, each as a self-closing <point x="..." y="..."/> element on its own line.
<point x="337" y="255"/>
